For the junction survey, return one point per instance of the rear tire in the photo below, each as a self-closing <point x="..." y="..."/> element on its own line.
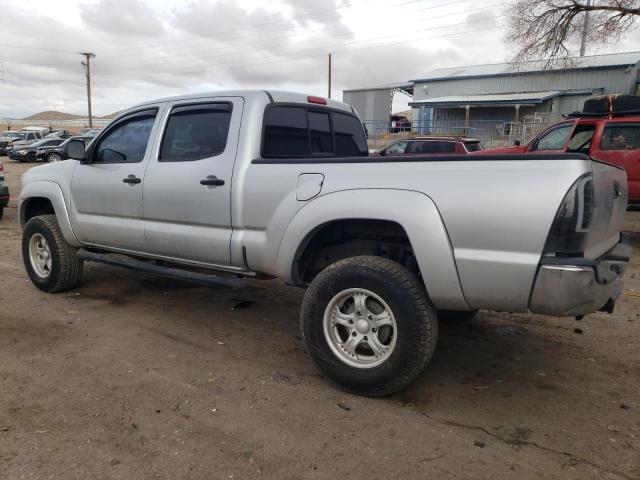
<point x="380" y="307"/>
<point x="54" y="157"/>
<point x="51" y="263"/>
<point x="1" y="212"/>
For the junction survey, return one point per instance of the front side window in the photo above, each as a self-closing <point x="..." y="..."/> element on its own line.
<point x="127" y="142"/>
<point x="396" y="149"/>
<point x="196" y="132"/>
<point x="620" y="137"/>
<point x="555" y="139"/>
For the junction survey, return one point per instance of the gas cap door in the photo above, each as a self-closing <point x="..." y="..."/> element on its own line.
<point x="309" y="186"/>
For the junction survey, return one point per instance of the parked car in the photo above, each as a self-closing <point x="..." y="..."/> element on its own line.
<point x="277" y="184"/>
<point x="30" y="153"/>
<point x="4" y="191"/>
<point x="30" y="138"/>
<point x="432" y="145"/>
<point x="41" y="130"/>
<point x="9" y="140"/>
<point x="614" y="140"/>
<point x="64" y="134"/>
<point x="52" y="153"/>
<point x="399" y="123"/>
<point x="89" y="132"/>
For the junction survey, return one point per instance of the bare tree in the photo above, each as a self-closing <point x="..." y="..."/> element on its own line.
<point x="551" y="29"/>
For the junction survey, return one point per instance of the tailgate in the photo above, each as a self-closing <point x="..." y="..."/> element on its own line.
<point x="609" y="206"/>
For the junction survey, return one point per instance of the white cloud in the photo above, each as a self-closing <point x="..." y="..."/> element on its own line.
<point x="153" y="48"/>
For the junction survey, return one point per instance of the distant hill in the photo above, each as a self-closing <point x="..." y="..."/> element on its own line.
<point x="53" y="115"/>
<point x="112" y="115"/>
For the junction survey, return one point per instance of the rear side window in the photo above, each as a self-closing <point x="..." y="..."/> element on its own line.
<point x="195" y="132"/>
<point x="320" y="132"/>
<point x="294" y="131"/>
<point x="620" y="137"/>
<point x="286" y="133"/>
<point x="432" y="146"/>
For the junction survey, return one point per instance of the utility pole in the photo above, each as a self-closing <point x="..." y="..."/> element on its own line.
<point x="329" y="76"/>
<point x="87" y="70"/>
<point x="585" y="30"/>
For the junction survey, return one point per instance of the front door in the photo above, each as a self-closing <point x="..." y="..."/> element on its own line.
<point x="106" y="191"/>
<point x="187" y="189"/>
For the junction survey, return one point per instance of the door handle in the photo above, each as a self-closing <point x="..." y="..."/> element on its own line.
<point x="212" y="180"/>
<point x="131" y="179"/>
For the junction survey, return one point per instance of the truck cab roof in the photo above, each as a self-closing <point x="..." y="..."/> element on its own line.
<point x="268" y="96"/>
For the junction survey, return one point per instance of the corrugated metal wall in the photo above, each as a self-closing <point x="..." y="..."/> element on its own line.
<point x="372" y="105"/>
<point x="618" y="80"/>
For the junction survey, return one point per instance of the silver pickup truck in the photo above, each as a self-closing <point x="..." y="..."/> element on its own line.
<point x="273" y="184"/>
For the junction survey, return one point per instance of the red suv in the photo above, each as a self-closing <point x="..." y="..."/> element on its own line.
<point x="432" y="146"/>
<point x="613" y="140"/>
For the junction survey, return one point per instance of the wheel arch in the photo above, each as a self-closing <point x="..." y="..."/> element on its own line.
<point x="44" y="197"/>
<point x="412" y="213"/>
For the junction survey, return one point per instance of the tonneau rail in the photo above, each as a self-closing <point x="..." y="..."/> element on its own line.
<point x="425" y="158"/>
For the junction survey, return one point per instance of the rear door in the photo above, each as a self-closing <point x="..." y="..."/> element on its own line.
<point x="619" y="144"/>
<point x="187" y="190"/>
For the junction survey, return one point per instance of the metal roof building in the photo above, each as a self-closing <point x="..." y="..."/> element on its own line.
<point x="491" y="95"/>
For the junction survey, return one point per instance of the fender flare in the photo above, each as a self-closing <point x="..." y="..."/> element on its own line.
<point x="412" y="210"/>
<point x="52" y="192"/>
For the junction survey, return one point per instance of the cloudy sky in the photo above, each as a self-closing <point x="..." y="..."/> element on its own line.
<point x="153" y="48"/>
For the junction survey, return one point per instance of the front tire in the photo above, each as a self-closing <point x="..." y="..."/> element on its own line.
<point x="51" y="263"/>
<point x="54" y="157"/>
<point x="369" y="326"/>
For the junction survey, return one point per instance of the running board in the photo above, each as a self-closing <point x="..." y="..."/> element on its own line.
<point x="120" y="260"/>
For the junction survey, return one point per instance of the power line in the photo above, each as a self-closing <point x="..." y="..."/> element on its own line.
<point x="28" y="47"/>
<point x="232" y="66"/>
<point x="109" y="53"/>
<point x="322" y="50"/>
<point x="136" y="61"/>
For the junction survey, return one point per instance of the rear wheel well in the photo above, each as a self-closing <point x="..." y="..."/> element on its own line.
<point x="37" y="206"/>
<point x="349" y="238"/>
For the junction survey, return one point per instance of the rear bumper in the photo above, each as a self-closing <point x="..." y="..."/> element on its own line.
<point x="568" y="287"/>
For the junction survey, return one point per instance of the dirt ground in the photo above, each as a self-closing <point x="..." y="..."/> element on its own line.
<point x="133" y="376"/>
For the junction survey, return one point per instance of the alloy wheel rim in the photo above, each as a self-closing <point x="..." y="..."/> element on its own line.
<point x="360" y="328"/>
<point x="40" y="255"/>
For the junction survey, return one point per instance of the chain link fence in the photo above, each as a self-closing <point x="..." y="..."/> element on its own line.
<point x="491" y="133"/>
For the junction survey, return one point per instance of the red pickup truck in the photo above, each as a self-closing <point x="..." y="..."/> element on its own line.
<point x="613" y="140"/>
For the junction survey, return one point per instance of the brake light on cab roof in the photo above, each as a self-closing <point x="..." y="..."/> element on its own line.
<point x="318" y="100"/>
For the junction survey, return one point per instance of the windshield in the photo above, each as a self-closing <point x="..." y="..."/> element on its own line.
<point x="12" y="134"/>
<point x="39" y="142"/>
<point x="473" y="146"/>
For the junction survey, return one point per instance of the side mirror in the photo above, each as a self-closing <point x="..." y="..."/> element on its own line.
<point x="75" y="149"/>
<point x="383" y="152"/>
<point x="517" y="143"/>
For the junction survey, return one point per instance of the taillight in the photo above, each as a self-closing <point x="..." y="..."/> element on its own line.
<point x="571" y="225"/>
